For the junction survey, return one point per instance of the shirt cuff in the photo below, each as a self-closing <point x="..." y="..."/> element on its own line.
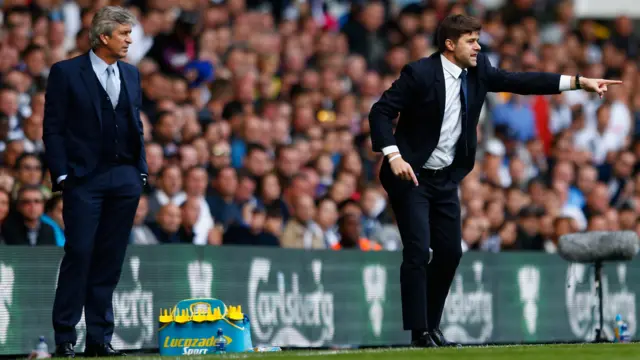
<point x="60" y="178"/>
<point x="565" y="82"/>
<point x="390" y="149"/>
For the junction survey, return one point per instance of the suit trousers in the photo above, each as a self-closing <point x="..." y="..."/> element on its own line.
<point x="98" y="213"/>
<point x="428" y="216"/>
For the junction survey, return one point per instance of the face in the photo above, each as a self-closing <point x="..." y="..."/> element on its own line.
<point x="270" y="188"/>
<point x="170" y="218"/>
<point x="190" y="212"/>
<point x="466" y="49"/>
<point x="351" y="228"/>
<point x="245" y="190"/>
<point x="196" y="182"/>
<point x="171" y="181"/>
<point x="305" y="209"/>
<point x="4" y="205"/>
<point x="31" y="204"/>
<point x="119" y="40"/>
<point x="30" y="171"/>
<point x="327" y="214"/>
<point x="227" y="182"/>
<point x="258" y="162"/>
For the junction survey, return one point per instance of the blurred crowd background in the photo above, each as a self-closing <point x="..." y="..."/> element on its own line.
<point x="256" y="121"/>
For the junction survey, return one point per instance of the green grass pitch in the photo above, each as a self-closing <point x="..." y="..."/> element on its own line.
<point x="516" y="352"/>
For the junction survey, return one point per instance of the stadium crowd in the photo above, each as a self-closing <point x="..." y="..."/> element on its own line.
<point x="256" y="121"/>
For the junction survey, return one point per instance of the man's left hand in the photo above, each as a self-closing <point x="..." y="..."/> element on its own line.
<point x="597" y="85"/>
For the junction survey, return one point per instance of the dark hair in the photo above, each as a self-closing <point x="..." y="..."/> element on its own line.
<point x="454" y="26"/>
<point x="29" y="187"/>
<point x="25" y="155"/>
<point x="52" y="203"/>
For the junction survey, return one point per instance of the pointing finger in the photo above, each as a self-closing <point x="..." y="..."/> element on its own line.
<point x="413" y="177"/>
<point x="610" y="82"/>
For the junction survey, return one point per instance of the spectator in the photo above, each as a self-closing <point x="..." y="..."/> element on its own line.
<point x="326" y="218"/>
<point x="53" y="216"/>
<point x="4" y="212"/>
<point x="350" y="230"/>
<point x="169" y="190"/>
<point x="25" y="226"/>
<point x="195" y="186"/>
<point x="225" y="210"/>
<point x="190" y="213"/>
<point x="167" y="224"/>
<point x="255" y="232"/>
<point x="300" y="231"/>
<point x="141" y="233"/>
<point x="268" y="107"/>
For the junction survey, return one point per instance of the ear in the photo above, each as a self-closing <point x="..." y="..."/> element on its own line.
<point x="449" y="44"/>
<point x="103" y="39"/>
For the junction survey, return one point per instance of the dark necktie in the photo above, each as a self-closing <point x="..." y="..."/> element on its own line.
<point x="464" y="109"/>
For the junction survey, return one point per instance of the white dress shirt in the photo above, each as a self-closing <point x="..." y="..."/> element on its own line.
<point x="444" y="153"/>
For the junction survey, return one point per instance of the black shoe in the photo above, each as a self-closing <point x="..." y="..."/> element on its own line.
<point x="438" y="338"/>
<point x="102" y="350"/>
<point x="64" y="350"/>
<point x="423" y="341"/>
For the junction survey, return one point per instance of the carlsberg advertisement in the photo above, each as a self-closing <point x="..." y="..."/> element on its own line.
<point x="324" y="298"/>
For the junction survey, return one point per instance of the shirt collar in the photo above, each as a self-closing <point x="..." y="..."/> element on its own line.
<point x="450" y="67"/>
<point x="99" y="65"/>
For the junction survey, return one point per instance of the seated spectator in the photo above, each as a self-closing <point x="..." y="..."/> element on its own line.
<point x="224" y="209"/>
<point x="300" y="232"/>
<point x="167" y="224"/>
<point x="327" y="219"/>
<point x="25" y="226"/>
<point x="53" y="216"/>
<point x="190" y="209"/>
<point x="5" y="202"/>
<point x="373" y="205"/>
<point x="255" y="232"/>
<point x="195" y="186"/>
<point x="529" y="237"/>
<point x="628" y="217"/>
<point x="141" y="233"/>
<point x="28" y="170"/>
<point x="349" y="229"/>
<point x="169" y="190"/>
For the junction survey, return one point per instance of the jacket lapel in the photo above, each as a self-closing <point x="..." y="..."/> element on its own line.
<point x="89" y="77"/>
<point x="439" y="83"/>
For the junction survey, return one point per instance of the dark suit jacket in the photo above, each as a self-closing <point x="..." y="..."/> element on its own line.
<point x="15" y="232"/>
<point x="72" y="117"/>
<point x="419" y="96"/>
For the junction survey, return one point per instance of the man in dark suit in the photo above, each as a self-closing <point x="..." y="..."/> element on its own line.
<point x="432" y="150"/>
<point x="95" y="152"/>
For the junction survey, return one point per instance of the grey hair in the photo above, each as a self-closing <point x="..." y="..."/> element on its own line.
<point x="106" y="20"/>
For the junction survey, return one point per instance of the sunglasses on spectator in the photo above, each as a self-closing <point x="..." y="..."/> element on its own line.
<point x="31" y="167"/>
<point x="31" y="201"/>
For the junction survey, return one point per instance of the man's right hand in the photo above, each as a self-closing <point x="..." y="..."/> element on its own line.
<point x="401" y="168"/>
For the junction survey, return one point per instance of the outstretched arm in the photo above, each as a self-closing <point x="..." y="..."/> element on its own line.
<point x="539" y="83"/>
